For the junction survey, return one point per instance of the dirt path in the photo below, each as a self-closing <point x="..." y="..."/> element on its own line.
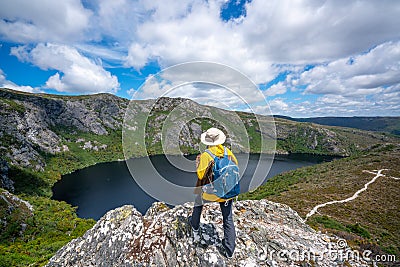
<point x="378" y="173"/>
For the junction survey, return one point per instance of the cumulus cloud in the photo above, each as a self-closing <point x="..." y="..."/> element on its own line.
<point x="352" y="46"/>
<point x="171" y="32"/>
<point x="383" y="104"/>
<point x="315" y="31"/>
<point x="205" y="82"/>
<point x="276" y="89"/>
<point x="365" y="74"/>
<point x="278" y="104"/>
<point x="4" y="83"/>
<point x="364" y="84"/>
<point x="114" y="56"/>
<point x="43" y="20"/>
<point x="273" y="32"/>
<point x="76" y="73"/>
<point x="191" y="33"/>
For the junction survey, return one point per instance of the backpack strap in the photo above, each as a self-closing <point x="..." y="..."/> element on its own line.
<point x="214" y="156"/>
<point x="214" y="160"/>
<point x="226" y="154"/>
<point x="211" y="154"/>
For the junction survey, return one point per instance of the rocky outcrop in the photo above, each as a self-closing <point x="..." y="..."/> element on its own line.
<point x="13" y="215"/>
<point x="38" y="124"/>
<point x="307" y="137"/>
<point x="5" y="182"/>
<point x="268" y="234"/>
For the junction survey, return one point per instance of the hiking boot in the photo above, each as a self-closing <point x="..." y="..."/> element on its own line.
<point x="195" y="232"/>
<point x="223" y="251"/>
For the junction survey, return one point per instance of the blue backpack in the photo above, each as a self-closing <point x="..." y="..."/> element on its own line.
<point x="225" y="182"/>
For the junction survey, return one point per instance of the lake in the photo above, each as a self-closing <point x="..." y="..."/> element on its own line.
<point x="102" y="187"/>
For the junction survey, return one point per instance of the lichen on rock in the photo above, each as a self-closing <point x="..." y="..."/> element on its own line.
<point x="162" y="237"/>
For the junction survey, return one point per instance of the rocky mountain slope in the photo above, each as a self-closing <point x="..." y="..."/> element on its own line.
<point x="31" y="123"/>
<point x="39" y="127"/>
<point x="380" y="124"/>
<point x="5" y="181"/>
<point x="268" y="234"/>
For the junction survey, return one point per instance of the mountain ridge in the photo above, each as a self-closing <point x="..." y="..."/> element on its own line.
<point x="45" y="136"/>
<point x="388" y="124"/>
<point x="50" y="124"/>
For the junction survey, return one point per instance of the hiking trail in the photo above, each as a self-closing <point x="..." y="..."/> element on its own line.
<point x="378" y="173"/>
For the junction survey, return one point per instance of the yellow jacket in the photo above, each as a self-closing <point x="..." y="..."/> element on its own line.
<point x="205" y="159"/>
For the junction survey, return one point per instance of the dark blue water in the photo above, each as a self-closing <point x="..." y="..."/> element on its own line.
<point x="97" y="189"/>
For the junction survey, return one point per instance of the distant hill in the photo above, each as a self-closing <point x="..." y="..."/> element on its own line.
<point x="378" y="124"/>
<point x="65" y="133"/>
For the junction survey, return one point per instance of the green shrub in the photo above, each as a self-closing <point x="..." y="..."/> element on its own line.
<point x="52" y="226"/>
<point x="358" y="230"/>
<point x="327" y="222"/>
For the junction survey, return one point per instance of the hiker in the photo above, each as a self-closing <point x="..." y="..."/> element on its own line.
<point x="213" y="138"/>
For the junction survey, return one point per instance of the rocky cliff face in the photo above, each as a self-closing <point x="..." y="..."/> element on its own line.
<point x="35" y="126"/>
<point x="268" y="234"/>
<point x="32" y="124"/>
<point x="5" y="181"/>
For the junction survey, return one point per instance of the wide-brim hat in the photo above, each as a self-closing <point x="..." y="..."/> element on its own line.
<point x="213" y="137"/>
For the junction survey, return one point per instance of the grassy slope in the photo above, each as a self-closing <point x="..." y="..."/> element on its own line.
<point x="53" y="225"/>
<point x="376" y="210"/>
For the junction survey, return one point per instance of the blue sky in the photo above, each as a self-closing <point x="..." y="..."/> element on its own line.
<point x="309" y="58"/>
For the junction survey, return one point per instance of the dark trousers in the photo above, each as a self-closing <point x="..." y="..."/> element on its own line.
<point x="229" y="227"/>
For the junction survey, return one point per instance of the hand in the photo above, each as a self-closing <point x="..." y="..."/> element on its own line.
<point x="198" y="160"/>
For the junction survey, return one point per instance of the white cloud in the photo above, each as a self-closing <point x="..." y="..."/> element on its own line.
<point x="275" y="36"/>
<point x="297" y="32"/>
<point x="365" y="74"/>
<point x="131" y="92"/>
<point x="43" y="20"/>
<point x="171" y="32"/>
<point x="4" y="83"/>
<point x="276" y="89"/>
<point x="194" y="34"/>
<point x="386" y="103"/>
<point x="113" y="55"/>
<point x="205" y="82"/>
<point x="117" y="21"/>
<point x="366" y="84"/>
<point x="314" y="31"/>
<point x="76" y="73"/>
<point x="278" y="104"/>
<point x="209" y="94"/>
<point x="279" y="31"/>
<point x="138" y="56"/>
